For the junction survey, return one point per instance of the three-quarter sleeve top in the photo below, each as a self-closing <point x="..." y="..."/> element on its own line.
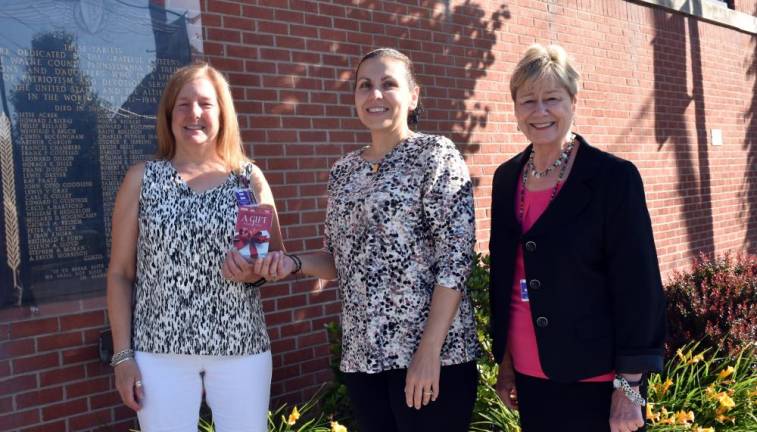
<point x="396" y="234"/>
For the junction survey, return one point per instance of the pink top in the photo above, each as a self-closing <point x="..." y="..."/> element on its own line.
<point x="521" y="335"/>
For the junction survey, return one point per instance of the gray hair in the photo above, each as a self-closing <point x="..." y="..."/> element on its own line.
<point x="538" y="62"/>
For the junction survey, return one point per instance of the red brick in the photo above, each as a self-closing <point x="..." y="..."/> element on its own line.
<point x="39" y="397"/>
<point x="290" y="42"/>
<point x="56" y="426"/>
<point x="42" y="361"/>
<point x="105" y="400"/>
<point x="288" y="16"/>
<point x="17" y="383"/>
<point x="273" y="27"/>
<point x="223" y="35"/>
<point x="82" y="354"/>
<point x="89" y="420"/>
<point x="64" y="409"/>
<point x="91" y="336"/>
<point x="6" y="404"/>
<point x="62" y="375"/>
<point x="18" y="420"/>
<point x="98" y="369"/>
<point x="291" y="302"/>
<point x="282" y="345"/>
<point x="314" y="365"/>
<point x="224" y="7"/>
<point x="228" y="64"/>
<point x="125" y="426"/>
<point x="322" y="296"/>
<point x="296" y="328"/>
<point x="333" y="308"/>
<point x="242" y="51"/>
<point x="299" y="382"/>
<point x="285" y="372"/>
<point x="33" y="328"/>
<point x="16" y="348"/>
<point x="330" y="10"/>
<point x="300" y="356"/>
<point x="308" y="313"/>
<point x="235" y="22"/>
<point x="64" y="340"/>
<point x="84" y="320"/>
<point x="211" y="48"/>
<point x="312" y="339"/>
<point x="257" y="12"/>
<point x="88" y="387"/>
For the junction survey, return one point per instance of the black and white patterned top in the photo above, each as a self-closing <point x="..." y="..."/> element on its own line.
<point x="183" y="305"/>
<point x="395" y="234"/>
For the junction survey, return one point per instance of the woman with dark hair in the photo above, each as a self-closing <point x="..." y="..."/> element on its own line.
<point x="185" y="313"/>
<point x="399" y="237"/>
<point x="576" y="296"/>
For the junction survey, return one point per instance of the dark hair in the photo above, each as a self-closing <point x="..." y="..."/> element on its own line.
<point x="413" y="115"/>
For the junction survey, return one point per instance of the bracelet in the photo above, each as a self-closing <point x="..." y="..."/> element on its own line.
<point x="297" y="262"/>
<point x="122" y="356"/>
<point x="258" y="282"/>
<point x="635" y="383"/>
<point x="621" y="383"/>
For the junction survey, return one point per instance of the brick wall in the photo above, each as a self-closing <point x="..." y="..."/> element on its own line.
<point x="746" y="6"/>
<point x="50" y="378"/>
<point x="655" y="84"/>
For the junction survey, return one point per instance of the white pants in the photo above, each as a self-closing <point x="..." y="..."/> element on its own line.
<point x="237" y="389"/>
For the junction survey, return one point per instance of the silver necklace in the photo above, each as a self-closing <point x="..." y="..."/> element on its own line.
<point x="560" y="176"/>
<point x="561" y="160"/>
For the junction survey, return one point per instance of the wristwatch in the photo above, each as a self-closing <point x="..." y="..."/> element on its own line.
<point x="621" y="383"/>
<point x="617" y="382"/>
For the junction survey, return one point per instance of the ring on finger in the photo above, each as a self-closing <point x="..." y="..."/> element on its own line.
<point x="427" y="393"/>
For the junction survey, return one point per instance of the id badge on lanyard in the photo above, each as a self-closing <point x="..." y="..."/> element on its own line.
<point x="523" y="291"/>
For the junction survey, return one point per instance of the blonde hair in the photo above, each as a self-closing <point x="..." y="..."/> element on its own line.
<point x="538" y="62"/>
<point x="228" y="142"/>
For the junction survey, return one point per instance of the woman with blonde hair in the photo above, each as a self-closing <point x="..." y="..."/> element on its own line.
<point x="576" y="295"/>
<point x="184" y="306"/>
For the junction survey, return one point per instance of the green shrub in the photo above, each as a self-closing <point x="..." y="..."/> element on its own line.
<point x="335" y="400"/>
<point x="489" y="413"/>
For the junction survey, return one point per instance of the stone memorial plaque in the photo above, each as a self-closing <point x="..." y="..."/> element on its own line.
<point x="80" y="82"/>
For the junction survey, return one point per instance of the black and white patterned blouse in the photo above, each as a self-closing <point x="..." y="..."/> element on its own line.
<point x="395" y="234"/>
<point x="183" y="305"/>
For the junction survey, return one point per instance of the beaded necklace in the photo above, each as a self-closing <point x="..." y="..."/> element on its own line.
<point x="530" y="167"/>
<point x="560" y="161"/>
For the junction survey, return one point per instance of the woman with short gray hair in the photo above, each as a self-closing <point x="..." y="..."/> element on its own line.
<point x="576" y="295"/>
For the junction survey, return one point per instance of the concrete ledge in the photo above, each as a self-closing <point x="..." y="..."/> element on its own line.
<point x="708" y="10"/>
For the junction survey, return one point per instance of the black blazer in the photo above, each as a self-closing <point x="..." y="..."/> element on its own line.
<point x="594" y="282"/>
